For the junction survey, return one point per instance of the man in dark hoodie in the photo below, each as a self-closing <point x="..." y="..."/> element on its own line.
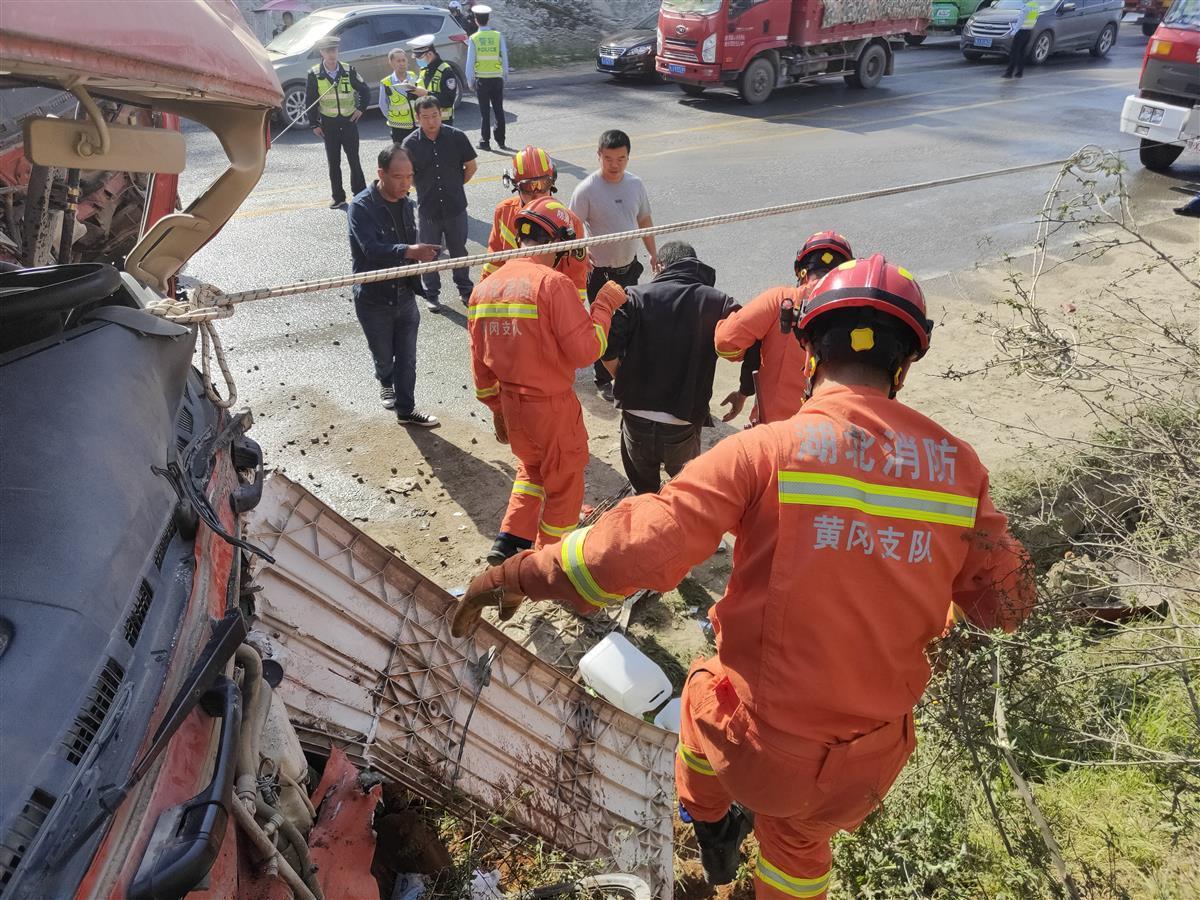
<point x="660" y="349"/>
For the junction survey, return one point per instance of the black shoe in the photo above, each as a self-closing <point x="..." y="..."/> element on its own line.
<point x="484" y="145"/>
<point x="432" y="304"/>
<point x="419" y="419"/>
<point x="1019" y="75"/>
<point x="720" y="842"/>
<point x="387" y="394"/>
<point x="503" y="146"/>
<point x="465" y="297"/>
<point x="339" y="204"/>
<point x="505" y="546"/>
<point x="606" y="391"/>
<point x="1006" y="75"/>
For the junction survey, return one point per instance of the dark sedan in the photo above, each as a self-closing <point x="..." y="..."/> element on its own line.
<point x="630" y="53"/>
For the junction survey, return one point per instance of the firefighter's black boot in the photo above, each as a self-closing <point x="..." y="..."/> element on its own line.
<point x="506" y="545"/>
<point x="720" y="842"/>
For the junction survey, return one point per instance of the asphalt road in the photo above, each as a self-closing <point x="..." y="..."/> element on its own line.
<point x="938" y="115"/>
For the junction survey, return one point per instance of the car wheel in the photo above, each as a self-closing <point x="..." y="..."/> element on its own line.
<point x="1158" y="157"/>
<point x="972" y="55"/>
<point x="1148" y="28"/>
<point x="757" y="81"/>
<point x="914" y="40"/>
<point x="1043" y="45"/>
<point x="294" y="113"/>
<point x="1104" y="41"/>
<point x="692" y="90"/>
<point x="870" y="67"/>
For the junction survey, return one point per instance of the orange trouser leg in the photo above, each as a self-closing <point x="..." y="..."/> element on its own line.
<point x="700" y="791"/>
<point x="524" y="503"/>
<point x="565" y="458"/>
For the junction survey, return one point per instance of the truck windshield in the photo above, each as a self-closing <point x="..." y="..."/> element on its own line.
<point x="1183" y="14"/>
<point x="697" y="7"/>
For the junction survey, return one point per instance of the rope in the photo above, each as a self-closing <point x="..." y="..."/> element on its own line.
<point x="207" y="303"/>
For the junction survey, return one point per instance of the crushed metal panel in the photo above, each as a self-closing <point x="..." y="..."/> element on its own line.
<point x="371" y="668"/>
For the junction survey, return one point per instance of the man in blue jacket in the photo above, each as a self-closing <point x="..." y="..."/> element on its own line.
<point x="383" y="234"/>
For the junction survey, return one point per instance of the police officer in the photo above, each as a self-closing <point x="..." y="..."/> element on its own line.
<point x="395" y="96"/>
<point x="1020" y="42"/>
<point x="436" y="76"/>
<point x="341" y="98"/>
<point x="487" y="67"/>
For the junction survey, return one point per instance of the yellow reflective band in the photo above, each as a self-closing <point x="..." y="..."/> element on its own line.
<point x="848" y="264"/>
<point x="819" y="489"/>
<point x="503" y="311"/>
<point x="601" y="337"/>
<point x="545" y="161"/>
<point x="528" y="487"/>
<point x="492" y="391"/>
<point x="904" y="272"/>
<point x="793" y="887"/>
<point x="728" y="354"/>
<point x="556" y="530"/>
<point x="507" y="236"/>
<point x="583" y="295"/>
<point x="577" y="571"/>
<point x="489" y="268"/>
<point x="519" y="163"/>
<point x="695" y="761"/>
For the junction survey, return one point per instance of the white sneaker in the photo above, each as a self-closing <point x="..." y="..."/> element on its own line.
<point x="387" y="394"/>
<point x="419" y="419"/>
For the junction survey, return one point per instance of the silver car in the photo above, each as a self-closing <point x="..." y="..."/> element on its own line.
<point x="368" y="32"/>
<point x="1062" y="25"/>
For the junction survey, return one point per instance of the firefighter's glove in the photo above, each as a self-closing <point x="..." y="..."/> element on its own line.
<point x="611" y="296"/>
<point x="499" y="426"/>
<point x="496" y="588"/>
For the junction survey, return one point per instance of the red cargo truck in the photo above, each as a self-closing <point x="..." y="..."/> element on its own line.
<point x="759" y="46"/>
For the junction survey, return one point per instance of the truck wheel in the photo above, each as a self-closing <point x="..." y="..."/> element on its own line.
<point x="972" y="55"/>
<point x="294" y="106"/>
<point x="914" y="40"/>
<point x="692" y="90"/>
<point x="1042" y="46"/>
<point x="869" y="69"/>
<point x="1149" y="26"/>
<point x="1104" y="41"/>
<point x="1158" y="157"/>
<point x="757" y="81"/>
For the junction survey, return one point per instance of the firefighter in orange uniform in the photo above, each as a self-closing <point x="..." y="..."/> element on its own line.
<point x="533" y="176"/>
<point x="858" y="522"/>
<point x="781" y="375"/>
<point x="528" y="334"/>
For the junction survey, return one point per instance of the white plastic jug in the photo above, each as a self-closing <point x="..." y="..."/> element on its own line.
<point x="624" y="675"/>
<point x="668" y="717"/>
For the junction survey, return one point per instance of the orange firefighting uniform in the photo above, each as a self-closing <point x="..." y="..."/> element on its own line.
<point x="528" y="334"/>
<point x="858" y="522"/>
<point x="504" y="237"/>
<point x="781" y="376"/>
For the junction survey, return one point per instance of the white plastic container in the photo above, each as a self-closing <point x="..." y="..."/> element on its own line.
<point x="668" y="717"/>
<point x="624" y="675"/>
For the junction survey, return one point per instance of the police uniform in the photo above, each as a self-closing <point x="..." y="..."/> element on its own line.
<point x="487" y="67"/>
<point x="395" y="103"/>
<point x="436" y="76"/>
<point x="337" y="96"/>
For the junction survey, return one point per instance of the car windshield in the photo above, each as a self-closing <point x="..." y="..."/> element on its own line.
<point x="1183" y="14"/>
<point x="699" y="7"/>
<point x="648" y="23"/>
<point x="302" y="35"/>
<point x="1020" y="4"/>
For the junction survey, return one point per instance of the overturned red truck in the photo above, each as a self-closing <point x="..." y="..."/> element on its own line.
<point x="757" y="47"/>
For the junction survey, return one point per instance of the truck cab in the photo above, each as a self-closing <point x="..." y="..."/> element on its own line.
<point x="1165" y="112"/>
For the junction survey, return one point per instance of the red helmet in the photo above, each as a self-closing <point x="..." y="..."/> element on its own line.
<point x="548" y="217"/>
<point x="872" y="282"/>
<point x="833" y="248"/>
<point x="532" y="169"/>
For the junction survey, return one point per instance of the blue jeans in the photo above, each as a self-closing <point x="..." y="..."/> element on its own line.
<point x="391" y="331"/>
<point x="451" y="233"/>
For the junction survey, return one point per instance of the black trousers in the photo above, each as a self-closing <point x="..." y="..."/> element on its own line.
<point x="625" y="276"/>
<point x="490" y="92"/>
<point x="399" y="134"/>
<point x="391" y="332"/>
<point x="1020" y="49"/>
<point x="646" y="446"/>
<point x="342" y="135"/>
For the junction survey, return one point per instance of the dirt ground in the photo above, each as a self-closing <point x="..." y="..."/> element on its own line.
<point x="437" y="497"/>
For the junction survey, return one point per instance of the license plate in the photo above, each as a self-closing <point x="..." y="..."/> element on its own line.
<point x="674" y="69"/>
<point x="607" y="60"/>
<point x="983" y="42"/>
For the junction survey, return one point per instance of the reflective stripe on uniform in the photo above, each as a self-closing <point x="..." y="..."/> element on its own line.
<point x="492" y="391"/>
<point x="583" y="295"/>
<point x="602" y="337"/>
<point x="794" y="887"/>
<point x="503" y="311"/>
<point x="820" y="489"/>
<point x="728" y="354"/>
<point x="556" y="530"/>
<point x="506" y="235"/>
<point x="489" y="268"/>
<point x="696" y="761"/>
<point x="528" y="487"/>
<point x="577" y="571"/>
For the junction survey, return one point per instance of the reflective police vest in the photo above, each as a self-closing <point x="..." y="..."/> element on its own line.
<point x="340" y="100"/>
<point x="431" y="79"/>
<point x="1029" y="19"/>
<point x="487" y="54"/>
<point x="399" y="105"/>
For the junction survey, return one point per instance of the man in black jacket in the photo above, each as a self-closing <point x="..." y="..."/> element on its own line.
<point x="660" y="348"/>
<point x="341" y="98"/>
